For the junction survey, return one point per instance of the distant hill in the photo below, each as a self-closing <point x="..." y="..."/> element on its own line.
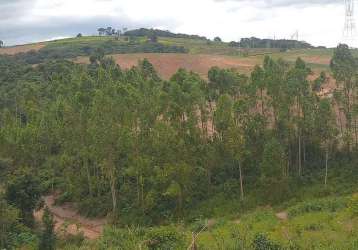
<point x="254" y="42"/>
<point x="161" y="33"/>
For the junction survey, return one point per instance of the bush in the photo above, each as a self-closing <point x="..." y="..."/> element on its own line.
<point x="261" y="242"/>
<point x="72" y="50"/>
<point x="121" y="238"/>
<point x="353" y="205"/>
<point x="165" y="238"/>
<point x="327" y="204"/>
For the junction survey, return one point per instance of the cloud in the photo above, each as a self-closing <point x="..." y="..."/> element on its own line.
<point x="64" y="27"/>
<point x="319" y="21"/>
<point x="15" y="8"/>
<point x="283" y="3"/>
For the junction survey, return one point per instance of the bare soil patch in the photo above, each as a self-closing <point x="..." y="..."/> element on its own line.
<point x="21" y="48"/>
<point x="69" y="221"/>
<point x="168" y="64"/>
<point x="282" y="215"/>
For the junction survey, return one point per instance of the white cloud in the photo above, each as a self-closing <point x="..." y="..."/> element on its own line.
<point x="320" y="24"/>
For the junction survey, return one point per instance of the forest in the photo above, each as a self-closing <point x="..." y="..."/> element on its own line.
<point x="254" y="42"/>
<point x="151" y="153"/>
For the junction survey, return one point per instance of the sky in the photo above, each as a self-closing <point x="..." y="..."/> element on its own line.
<point x="319" y="22"/>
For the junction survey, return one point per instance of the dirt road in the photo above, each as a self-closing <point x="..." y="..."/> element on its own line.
<point x="69" y="221"/>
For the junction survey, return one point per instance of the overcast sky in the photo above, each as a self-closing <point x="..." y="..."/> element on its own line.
<point x="319" y="22"/>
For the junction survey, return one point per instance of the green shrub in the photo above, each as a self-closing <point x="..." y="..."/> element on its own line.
<point x="66" y="51"/>
<point x="165" y="238"/>
<point x="327" y="204"/>
<point x="122" y="238"/>
<point x="353" y="205"/>
<point x="261" y="242"/>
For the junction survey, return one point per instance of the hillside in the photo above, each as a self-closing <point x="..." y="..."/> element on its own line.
<point x="177" y="142"/>
<point x="196" y="51"/>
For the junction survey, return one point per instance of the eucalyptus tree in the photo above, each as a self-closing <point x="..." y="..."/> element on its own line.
<point x="344" y="69"/>
<point x="299" y="89"/>
<point x="326" y="130"/>
<point x="258" y="81"/>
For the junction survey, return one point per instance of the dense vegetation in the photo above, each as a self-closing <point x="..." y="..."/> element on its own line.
<point x="254" y="42"/>
<point x="149" y="152"/>
<point x="160" y="33"/>
<point x="58" y="50"/>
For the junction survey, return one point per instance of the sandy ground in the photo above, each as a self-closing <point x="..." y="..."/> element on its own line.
<point x="69" y="221"/>
<point x="168" y="64"/>
<point x="21" y="48"/>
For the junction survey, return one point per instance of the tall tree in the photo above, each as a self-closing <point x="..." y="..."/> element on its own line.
<point x="344" y="69"/>
<point x="325" y="129"/>
<point x="48" y="237"/>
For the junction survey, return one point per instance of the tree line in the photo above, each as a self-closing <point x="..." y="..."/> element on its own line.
<point x="146" y="150"/>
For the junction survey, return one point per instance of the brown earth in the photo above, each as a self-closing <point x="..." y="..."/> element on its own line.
<point x="21" y="48"/>
<point x="282" y="215"/>
<point x="68" y="221"/>
<point x="168" y="64"/>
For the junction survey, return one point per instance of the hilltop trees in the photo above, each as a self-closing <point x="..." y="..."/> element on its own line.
<point x="1" y="43"/>
<point x="109" y="31"/>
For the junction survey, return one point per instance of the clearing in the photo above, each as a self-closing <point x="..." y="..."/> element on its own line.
<point x="21" y="49"/>
<point x="67" y="220"/>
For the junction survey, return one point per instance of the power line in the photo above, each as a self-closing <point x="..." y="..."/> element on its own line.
<point x="349" y="32"/>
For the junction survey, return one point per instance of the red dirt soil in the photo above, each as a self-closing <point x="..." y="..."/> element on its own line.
<point x="67" y="215"/>
<point x="168" y="64"/>
<point x="21" y="48"/>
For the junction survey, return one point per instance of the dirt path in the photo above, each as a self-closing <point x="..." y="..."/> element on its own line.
<point x="69" y="221"/>
<point x="21" y="49"/>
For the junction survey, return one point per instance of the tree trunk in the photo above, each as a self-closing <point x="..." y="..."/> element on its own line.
<point x="90" y="190"/>
<point x="114" y="196"/>
<point x="112" y="180"/>
<point x="340" y="120"/>
<point x="356" y="133"/>
<point x="299" y="154"/>
<point x="180" y="202"/>
<point x="262" y="103"/>
<point x="304" y="152"/>
<point x="208" y="173"/>
<point x="326" y="175"/>
<point x="241" y="183"/>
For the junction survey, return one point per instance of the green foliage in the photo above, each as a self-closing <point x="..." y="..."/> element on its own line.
<point x="254" y="42"/>
<point x="48" y="237"/>
<point x="125" y="143"/>
<point x="118" y="238"/>
<point x="168" y="237"/>
<point x="159" y="33"/>
<point x="9" y="220"/>
<point x="12" y="233"/>
<point x="353" y="205"/>
<point x="261" y="242"/>
<point x="23" y="192"/>
<point x="326" y="205"/>
<point x="57" y="51"/>
<point x="165" y="237"/>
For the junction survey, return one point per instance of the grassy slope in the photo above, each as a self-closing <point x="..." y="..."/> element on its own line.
<point x="319" y="224"/>
<point x="202" y="55"/>
<point x="318" y="218"/>
<point x="317" y="58"/>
